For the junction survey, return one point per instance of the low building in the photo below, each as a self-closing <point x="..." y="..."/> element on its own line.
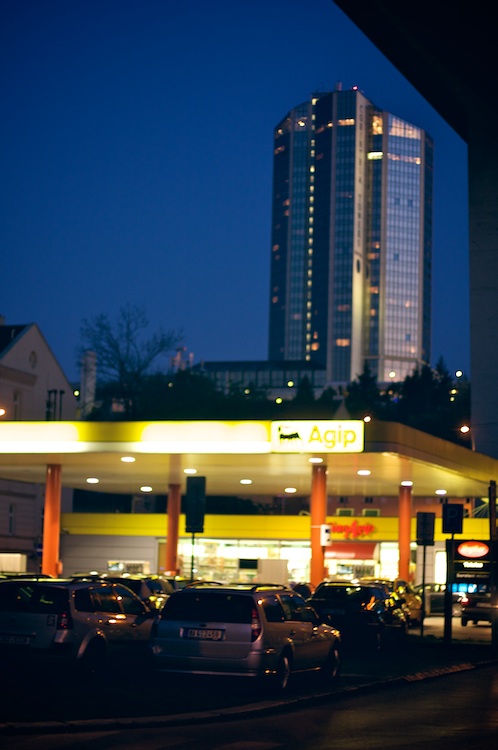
<point x="32" y="387"/>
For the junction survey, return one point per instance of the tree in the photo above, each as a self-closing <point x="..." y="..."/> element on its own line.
<point x="124" y="356"/>
<point x="427" y="402"/>
<point x="362" y="395"/>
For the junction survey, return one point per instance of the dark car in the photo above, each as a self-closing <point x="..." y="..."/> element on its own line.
<point x="476" y="605"/>
<point x="365" y="614"/>
<point x="435" y="598"/>
<point x="412" y="602"/>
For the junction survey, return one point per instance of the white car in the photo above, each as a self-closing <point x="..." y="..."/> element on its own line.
<point x="243" y="630"/>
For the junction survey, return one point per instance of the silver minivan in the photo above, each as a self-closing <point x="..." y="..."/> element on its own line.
<point x="243" y="630"/>
<point x="79" y="622"/>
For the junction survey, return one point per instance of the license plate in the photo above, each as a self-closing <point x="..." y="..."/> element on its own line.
<point x="15" y="640"/>
<point x="203" y="634"/>
<point x="483" y="604"/>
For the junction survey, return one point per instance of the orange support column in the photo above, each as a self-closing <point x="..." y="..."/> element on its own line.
<point x="404" y="531"/>
<point x="174" y="509"/>
<point x="318" y="514"/>
<point x="51" y="564"/>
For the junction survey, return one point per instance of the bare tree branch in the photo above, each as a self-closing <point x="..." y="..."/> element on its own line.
<point x="124" y="354"/>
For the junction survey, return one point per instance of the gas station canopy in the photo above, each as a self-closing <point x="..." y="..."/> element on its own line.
<point x="245" y="458"/>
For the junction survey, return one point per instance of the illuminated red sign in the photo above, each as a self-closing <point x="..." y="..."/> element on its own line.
<point x="353" y="530"/>
<point x="473" y="549"/>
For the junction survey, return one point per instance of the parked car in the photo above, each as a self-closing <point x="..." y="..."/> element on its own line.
<point x="365" y="614"/>
<point x="29" y="576"/>
<point x="305" y="589"/>
<point x="179" y="582"/>
<point x="243" y="630"/>
<point x="435" y="598"/>
<point x="75" y="622"/>
<point x="476" y="605"/>
<point x="412" y="602"/>
<point x="152" y="589"/>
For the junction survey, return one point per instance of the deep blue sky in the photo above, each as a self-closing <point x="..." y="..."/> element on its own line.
<point x="136" y="163"/>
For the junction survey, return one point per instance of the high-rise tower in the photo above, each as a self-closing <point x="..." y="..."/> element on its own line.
<point x="351" y="239"/>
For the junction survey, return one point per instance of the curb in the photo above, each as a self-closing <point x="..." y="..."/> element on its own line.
<point x="234" y="712"/>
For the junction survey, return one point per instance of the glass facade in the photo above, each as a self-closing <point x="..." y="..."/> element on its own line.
<point x="351" y="239"/>
<point x="289" y="242"/>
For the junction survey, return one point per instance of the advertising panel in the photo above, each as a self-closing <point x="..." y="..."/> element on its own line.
<point x="471" y="561"/>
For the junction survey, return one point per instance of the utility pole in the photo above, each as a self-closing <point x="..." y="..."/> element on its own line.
<point x="493" y="578"/>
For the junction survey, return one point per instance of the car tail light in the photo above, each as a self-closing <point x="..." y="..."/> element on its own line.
<point x="464" y="600"/>
<point x="64" y="621"/>
<point x="255" y="624"/>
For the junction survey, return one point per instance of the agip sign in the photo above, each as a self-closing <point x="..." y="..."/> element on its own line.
<point x="318" y="436"/>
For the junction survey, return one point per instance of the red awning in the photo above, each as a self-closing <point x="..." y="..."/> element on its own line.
<point x="351" y="551"/>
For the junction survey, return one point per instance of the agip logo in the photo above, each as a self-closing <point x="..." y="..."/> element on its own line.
<point x="320" y="436"/>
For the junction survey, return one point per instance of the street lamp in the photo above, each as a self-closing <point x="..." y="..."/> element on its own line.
<point x="465" y="430"/>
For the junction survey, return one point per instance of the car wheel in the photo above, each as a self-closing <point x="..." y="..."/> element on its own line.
<point x="283" y="674"/>
<point x="332" y="667"/>
<point x="94" y="657"/>
<point x="464" y="622"/>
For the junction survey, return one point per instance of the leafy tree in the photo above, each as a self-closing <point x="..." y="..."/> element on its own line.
<point x="425" y="401"/>
<point x="305" y="395"/>
<point x="328" y="402"/>
<point x="124" y="355"/>
<point x="363" y="395"/>
<point x="191" y="395"/>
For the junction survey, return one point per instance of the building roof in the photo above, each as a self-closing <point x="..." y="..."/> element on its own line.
<point x="260" y="365"/>
<point x="446" y="52"/>
<point x="9" y="335"/>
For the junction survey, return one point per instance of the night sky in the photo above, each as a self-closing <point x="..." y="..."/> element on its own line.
<point x="136" y="164"/>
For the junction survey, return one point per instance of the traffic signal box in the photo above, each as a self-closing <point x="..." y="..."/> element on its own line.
<point x="195" y="504"/>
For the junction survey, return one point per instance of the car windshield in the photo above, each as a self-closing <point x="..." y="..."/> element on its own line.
<point x="28" y="597"/>
<point x="207" y="606"/>
<point x="159" y="587"/>
<point x="350" y="597"/>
